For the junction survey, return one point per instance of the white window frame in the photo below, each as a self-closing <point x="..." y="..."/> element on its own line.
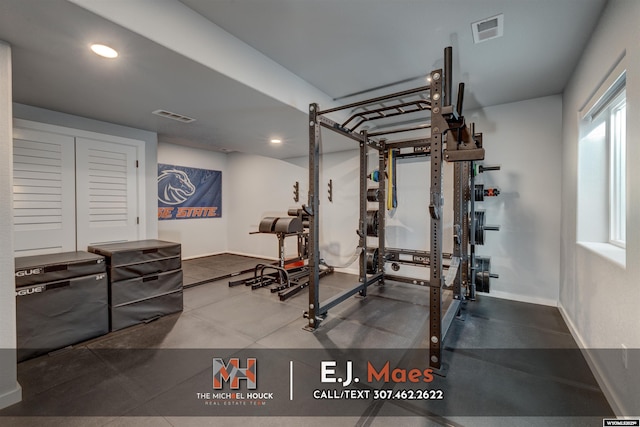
<point x="602" y="198"/>
<point x="616" y="140"/>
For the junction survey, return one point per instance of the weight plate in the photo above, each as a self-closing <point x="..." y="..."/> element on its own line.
<point x="372" y="260"/>
<point x="373" y="194"/>
<point x="479" y="193"/>
<point x="372" y="223"/>
<point x="482" y="281"/>
<point x="480" y="232"/>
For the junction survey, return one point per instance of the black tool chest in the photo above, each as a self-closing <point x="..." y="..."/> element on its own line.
<point x="61" y="299"/>
<point x="145" y="280"/>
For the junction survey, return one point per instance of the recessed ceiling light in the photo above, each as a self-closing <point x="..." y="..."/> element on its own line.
<point x="276" y="141"/>
<point x="104" y="51"/>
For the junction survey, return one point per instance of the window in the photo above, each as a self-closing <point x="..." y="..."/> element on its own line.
<point x="602" y="169"/>
<point x="617" y="118"/>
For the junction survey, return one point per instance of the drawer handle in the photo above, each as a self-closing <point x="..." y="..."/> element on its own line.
<point x="58" y="285"/>
<point x="58" y="267"/>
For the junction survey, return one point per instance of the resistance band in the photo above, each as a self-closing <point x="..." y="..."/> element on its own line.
<point x="392" y="198"/>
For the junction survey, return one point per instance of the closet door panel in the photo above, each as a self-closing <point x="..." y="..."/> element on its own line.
<point x="44" y="208"/>
<point x="106" y="191"/>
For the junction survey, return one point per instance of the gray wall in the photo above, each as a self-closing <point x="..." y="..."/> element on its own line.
<point x="524" y="138"/>
<point x="599" y="296"/>
<point x="10" y="391"/>
<point x="260" y="187"/>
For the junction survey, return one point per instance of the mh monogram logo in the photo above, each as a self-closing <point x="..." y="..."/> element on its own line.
<point x="232" y="373"/>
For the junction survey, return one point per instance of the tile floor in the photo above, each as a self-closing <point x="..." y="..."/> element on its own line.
<point x="202" y="270"/>
<point x="509" y="363"/>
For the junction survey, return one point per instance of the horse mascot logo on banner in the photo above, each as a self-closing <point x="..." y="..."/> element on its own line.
<point x="174" y="187"/>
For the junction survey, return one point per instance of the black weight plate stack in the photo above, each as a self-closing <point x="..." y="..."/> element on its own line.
<point x="372" y="260"/>
<point x="480" y="227"/>
<point x="482" y="281"/>
<point x="372" y="223"/>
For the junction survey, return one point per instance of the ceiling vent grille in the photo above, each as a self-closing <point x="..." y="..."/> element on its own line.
<point x="174" y="116"/>
<point x="487" y="29"/>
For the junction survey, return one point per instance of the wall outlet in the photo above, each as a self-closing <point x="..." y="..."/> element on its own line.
<point x="625" y="357"/>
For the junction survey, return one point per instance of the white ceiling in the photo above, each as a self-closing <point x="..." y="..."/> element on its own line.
<point x="339" y="47"/>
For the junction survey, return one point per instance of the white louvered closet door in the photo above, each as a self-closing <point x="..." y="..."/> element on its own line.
<point x="44" y="209"/>
<point x="106" y="189"/>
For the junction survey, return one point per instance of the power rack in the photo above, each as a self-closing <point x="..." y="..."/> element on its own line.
<point x="451" y="140"/>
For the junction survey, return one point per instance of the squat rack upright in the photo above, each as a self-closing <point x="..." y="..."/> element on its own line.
<point x="463" y="146"/>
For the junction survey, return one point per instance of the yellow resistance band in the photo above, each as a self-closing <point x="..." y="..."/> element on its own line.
<point x="390" y="180"/>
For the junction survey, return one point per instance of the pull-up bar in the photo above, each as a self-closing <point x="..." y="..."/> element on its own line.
<point x="376" y="100"/>
<point x="380" y="113"/>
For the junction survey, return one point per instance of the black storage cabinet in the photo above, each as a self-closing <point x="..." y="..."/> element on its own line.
<point x="145" y="280"/>
<point x="61" y="300"/>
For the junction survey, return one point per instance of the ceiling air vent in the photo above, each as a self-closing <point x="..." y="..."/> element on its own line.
<point x="174" y="116"/>
<point x="487" y="29"/>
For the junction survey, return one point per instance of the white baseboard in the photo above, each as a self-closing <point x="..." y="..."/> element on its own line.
<point x="232" y="253"/>
<point x="273" y="258"/>
<point x="593" y="365"/>
<point x="520" y="298"/>
<point x="11" y="397"/>
<point x="203" y="255"/>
